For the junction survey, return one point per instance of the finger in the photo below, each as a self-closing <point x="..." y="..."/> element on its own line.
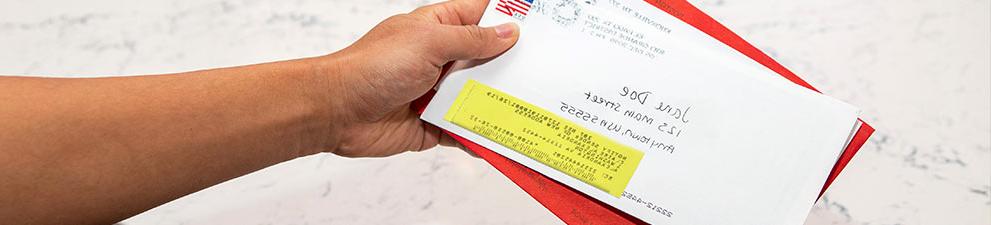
<point x="447" y="140"/>
<point x="458" y="12"/>
<point x="432" y="136"/>
<point x="453" y="43"/>
<point x="438" y="135"/>
<point x="443" y="139"/>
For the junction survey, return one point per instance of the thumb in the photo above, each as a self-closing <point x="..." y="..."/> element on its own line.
<point x="474" y="42"/>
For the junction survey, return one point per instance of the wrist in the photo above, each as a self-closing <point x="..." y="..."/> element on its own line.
<point x="325" y="87"/>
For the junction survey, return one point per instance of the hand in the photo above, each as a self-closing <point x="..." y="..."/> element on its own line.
<point x="399" y="61"/>
<point x="96" y="146"/>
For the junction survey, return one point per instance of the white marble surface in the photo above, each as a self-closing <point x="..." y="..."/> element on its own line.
<point x="919" y="69"/>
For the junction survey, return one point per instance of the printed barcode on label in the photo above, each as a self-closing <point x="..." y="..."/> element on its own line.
<point x="545" y="137"/>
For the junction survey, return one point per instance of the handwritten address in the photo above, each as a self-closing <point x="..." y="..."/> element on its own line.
<point x="668" y="120"/>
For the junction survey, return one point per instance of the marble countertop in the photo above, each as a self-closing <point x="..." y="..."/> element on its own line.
<point x="919" y="70"/>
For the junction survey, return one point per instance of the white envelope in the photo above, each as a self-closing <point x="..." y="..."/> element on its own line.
<point x="750" y="149"/>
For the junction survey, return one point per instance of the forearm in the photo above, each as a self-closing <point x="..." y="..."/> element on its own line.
<point x="78" y="151"/>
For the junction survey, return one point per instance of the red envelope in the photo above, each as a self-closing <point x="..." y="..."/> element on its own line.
<point x="574" y="207"/>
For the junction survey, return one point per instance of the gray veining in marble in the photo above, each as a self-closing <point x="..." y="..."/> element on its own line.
<point x="918" y="69"/>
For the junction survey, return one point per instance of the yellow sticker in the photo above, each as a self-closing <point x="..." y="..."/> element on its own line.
<point x="545" y="137"/>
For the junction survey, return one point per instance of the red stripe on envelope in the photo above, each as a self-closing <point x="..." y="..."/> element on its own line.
<point x="572" y="206"/>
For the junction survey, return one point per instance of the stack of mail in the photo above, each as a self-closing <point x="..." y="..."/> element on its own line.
<point x="631" y="111"/>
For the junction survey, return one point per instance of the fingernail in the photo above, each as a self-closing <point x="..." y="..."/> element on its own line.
<point x="505" y="30"/>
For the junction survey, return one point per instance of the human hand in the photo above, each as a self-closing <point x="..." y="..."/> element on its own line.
<point x="399" y="61"/>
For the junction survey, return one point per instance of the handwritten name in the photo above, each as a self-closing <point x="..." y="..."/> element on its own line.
<point x="678" y="113"/>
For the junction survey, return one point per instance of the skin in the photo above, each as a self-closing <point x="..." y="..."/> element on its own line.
<point x="99" y="150"/>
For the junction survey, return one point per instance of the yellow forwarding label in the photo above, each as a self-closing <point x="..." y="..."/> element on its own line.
<point x="545" y="137"/>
